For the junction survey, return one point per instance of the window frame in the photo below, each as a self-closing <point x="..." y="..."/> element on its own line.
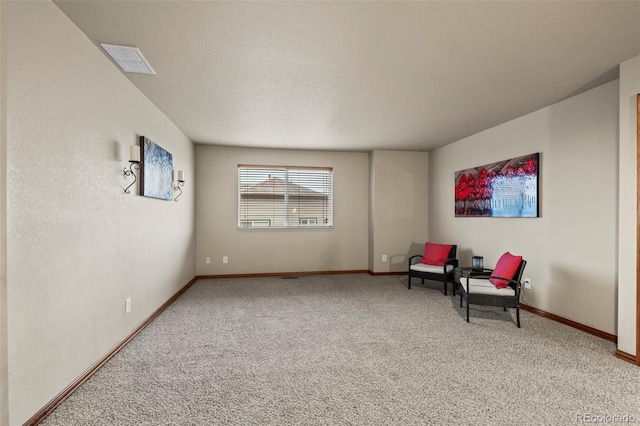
<point x="324" y="189"/>
<point x="252" y="221"/>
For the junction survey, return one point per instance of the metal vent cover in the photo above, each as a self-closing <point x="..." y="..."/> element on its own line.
<point x="130" y="59"/>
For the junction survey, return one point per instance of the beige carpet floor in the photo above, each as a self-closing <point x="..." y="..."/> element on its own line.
<point x="351" y="350"/>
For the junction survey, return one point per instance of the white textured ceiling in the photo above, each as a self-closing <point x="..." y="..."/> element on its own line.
<point x="361" y="75"/>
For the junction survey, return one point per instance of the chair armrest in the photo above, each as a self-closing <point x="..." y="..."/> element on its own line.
<point x="414" y="257"/>
<point x="453" y="262"/>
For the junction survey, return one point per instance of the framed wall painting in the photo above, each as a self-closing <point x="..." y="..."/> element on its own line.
<point x="157" y="170"/>
<point x="507" y="188"/>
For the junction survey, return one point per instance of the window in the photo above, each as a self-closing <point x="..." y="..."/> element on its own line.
<point x="285" y="197"/>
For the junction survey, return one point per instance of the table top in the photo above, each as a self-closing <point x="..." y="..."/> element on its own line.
<point x="471" y="268"/>
<point x="468" y="271"/>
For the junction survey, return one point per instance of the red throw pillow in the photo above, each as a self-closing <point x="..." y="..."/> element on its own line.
<point x="506" y="267"/>
<point x="435" y="254"/>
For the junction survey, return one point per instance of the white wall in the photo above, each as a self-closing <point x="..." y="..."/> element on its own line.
<point x="77" y="246"/>
<point x="4" y="395"/>
<point x="342" y="248"/>
<point x="571" y="248"/>
<point x="399" y="200"/>
<point x="628" y="225"/>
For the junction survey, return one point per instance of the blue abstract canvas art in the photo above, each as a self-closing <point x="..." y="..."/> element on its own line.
<point x="157" y="171"/>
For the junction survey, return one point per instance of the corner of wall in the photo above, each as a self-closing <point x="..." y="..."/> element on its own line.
<point x="371" y="204"/>
<point x="628" y="329"/>
<point x="398" y="208"/>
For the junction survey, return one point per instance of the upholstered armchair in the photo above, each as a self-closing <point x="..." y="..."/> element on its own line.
<point x="436" y="263"/>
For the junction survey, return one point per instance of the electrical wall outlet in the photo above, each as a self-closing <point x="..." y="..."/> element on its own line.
<point x="207" y="260"/>
<point x="384" y="257"/>
<point x="527" y="283"/>
<point x="225" y="259"/>
<point x="127" y="305"/>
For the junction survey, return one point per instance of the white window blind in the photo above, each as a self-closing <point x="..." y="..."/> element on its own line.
<point x="285" y="197"/>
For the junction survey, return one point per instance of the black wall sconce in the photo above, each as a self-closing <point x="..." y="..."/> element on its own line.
<point x="179" y="185"/>
<point x="134" y="163"/>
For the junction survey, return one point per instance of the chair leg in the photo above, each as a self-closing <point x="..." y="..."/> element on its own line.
<point x="504" y="308"/>
<point x="409" y="286"/>
<point x="518" y="316"/>
<point x="445" y="285"/>
<point x="467" y="310"/>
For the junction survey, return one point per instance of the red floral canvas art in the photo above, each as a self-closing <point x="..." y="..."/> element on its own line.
<point x="507" y="188"/>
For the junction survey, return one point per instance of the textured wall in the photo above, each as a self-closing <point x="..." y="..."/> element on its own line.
<point x="398" y="207"/>
<point x="628" y="222"/>
<point x="344" y="247"/>
<point x="571" y="248"/>
<point x="77" y="246"/>
<point x="4" y="394"/>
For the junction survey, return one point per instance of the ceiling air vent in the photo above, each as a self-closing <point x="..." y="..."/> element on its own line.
<point x="130" y="59"/>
